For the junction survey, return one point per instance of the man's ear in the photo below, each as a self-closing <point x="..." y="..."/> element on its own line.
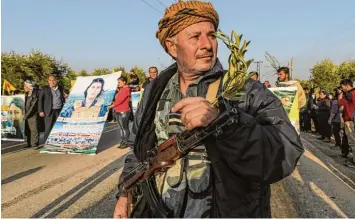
<point x="170" y="44"/>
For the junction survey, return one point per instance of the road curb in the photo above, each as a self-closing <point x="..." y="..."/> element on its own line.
<point x="343" y="172"/>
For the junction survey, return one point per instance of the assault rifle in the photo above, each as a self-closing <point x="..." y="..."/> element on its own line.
<point x="164" y="156"/>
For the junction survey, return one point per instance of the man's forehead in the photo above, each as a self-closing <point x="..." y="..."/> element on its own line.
<point x="199" y="28"/>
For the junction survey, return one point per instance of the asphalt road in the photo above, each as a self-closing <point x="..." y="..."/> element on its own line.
<point x="54" y="185"/>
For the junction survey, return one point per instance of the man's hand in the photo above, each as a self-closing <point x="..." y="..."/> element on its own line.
<point x="195" y="112"/>
<point x="41" y="114"/>
<point x="121" y="208"/>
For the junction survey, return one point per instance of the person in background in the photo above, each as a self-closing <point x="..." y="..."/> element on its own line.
<point x="66" y="94"/>
<point x="347" y="100"/>
<point x="153" y="74"/>
<point x="254" y="75"/>
<point x="305" y="118"/>
<point x="283" y="80"/>
<point x="313" y="110"/>
<point x="335" y="119"/>
<point x="50" y="103"/>
<point x="31" y="114"/>
<point x="267" y="84"/>
<point x="134" y="82"/>
<point x="323" y="114"/>
<point x="112" y="114"/>
<point x="122" y="110"/>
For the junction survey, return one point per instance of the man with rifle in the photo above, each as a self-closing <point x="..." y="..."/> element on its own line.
<point x="200" y="151"/>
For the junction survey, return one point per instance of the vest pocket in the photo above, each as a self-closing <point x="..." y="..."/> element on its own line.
<point x="198" y="177"/>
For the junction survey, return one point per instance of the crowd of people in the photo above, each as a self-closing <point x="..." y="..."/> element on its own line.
<point x="324" y="113"/>
<point x="332" y="114"/>
<point x="42" y="107"/>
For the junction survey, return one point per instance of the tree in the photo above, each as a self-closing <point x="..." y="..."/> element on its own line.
<point x="140" y="73"/>
<point x="101" y="71"/>
<point x="36" y="65"/>
<point x="305" y="83"/>
<point x="120" y="68"/>
<point x="325" y="75"/>
<point x="68" y="79"/>
<point x="275" y="64"/>
<point x="347" y="70"/>
<point x="83" y="73"/>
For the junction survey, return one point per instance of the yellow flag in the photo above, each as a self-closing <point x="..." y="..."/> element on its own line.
<point x="8" y="87"/>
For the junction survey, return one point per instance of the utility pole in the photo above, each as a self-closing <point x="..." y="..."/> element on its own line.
<point x="292" y="68"/>
<point x="258" y="69"/>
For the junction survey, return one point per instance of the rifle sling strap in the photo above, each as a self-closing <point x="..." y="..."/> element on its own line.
<point x="212" y="90"/>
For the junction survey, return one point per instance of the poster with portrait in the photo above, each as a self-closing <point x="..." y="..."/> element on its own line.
<point x="12" y="118"/>
<point x="289" y="100"/>
<point x="81" y="121"/>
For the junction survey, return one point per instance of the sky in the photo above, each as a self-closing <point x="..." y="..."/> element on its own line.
<point x="89" y="34"/>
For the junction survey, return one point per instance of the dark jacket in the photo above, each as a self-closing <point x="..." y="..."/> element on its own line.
<point x="262" y="148"/>
<point x="45" y="101"/>
<point x="32" y="102"/>
<point x="323" y="114"/>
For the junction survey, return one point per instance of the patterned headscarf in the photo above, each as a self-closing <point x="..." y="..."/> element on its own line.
<point x="183" y="14"/>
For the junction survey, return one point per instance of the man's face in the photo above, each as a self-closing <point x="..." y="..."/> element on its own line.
<point x="52" y="81"/>
<point x="25" y="87"/>
<point x="282" y="76"/>
<point x="153" y="73"/>
<point x="254" y="77"/>
<point x="267" y="83"/>
<point x="346" y="88"/>
<point x="321" y="95"/>
<point x="195" y="49"/>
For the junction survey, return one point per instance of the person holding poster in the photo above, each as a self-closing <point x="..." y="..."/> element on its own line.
<point x="50" y="103"/>
<point x="122" y="110"/>
<point x="283" y="80"/>
<point x="12" y="125"/>
<point x="81" y="121"/>
<point x="91" y="106"/>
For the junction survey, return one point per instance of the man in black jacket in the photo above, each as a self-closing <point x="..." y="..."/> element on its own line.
<point x="153" y="73"/>
<point x="31" y="114"/>
<point x="228" y="175"/>
<point x="50" y="102"/>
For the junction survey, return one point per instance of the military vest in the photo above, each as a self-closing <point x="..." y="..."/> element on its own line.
<point x="185" y="187"/>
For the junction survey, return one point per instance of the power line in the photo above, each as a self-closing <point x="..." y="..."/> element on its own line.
<point x="161" y="3"/>
<point x="151" y="6"/>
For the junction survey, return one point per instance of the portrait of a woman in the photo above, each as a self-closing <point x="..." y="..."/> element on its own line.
<point x="92" y="105"/>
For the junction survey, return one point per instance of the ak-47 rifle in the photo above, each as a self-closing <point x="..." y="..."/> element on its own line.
<point x="164" y="156"/>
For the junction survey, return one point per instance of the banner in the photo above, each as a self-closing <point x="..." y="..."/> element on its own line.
<point x="289" y="100"/>
<point x="12" y="118"/>
<point x="81" y="121"/>
<point x="135" y="97"/>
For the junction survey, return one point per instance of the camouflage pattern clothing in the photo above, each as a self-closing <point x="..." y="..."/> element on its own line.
<point x="185" y="187"/>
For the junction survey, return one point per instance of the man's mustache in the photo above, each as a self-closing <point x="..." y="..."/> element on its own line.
<point x="209" y="54"/>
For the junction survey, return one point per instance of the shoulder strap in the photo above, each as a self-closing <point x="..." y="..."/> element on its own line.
<point x="213" y="90"/>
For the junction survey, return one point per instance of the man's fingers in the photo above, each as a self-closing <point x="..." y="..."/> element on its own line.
<point x="184" y="102"/>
